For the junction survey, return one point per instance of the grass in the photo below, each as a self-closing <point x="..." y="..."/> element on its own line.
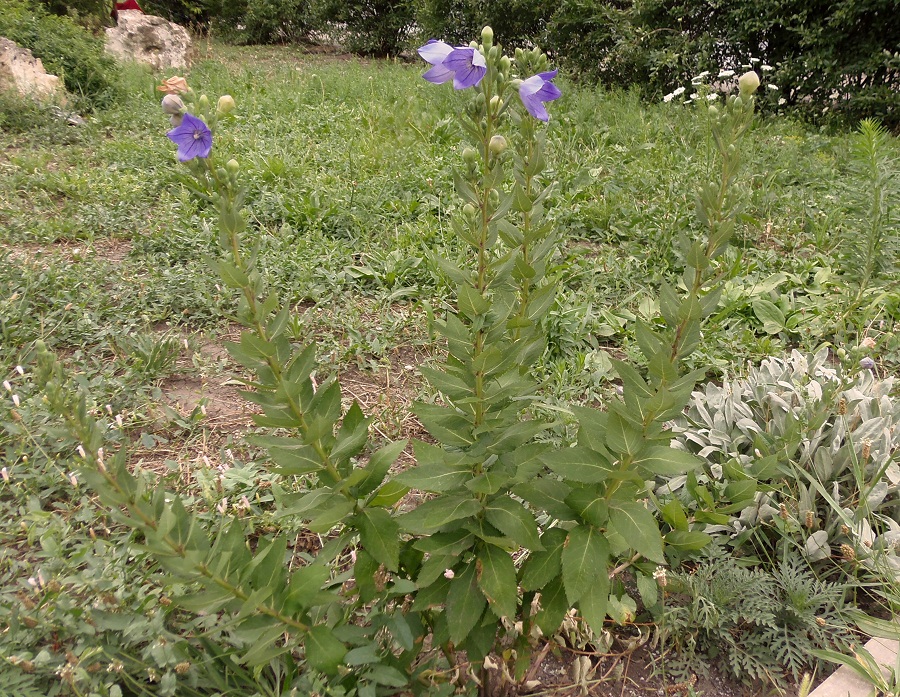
<point x="349" y="165"/>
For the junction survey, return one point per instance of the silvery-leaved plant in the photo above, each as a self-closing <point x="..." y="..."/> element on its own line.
<point x="798" y="450"/>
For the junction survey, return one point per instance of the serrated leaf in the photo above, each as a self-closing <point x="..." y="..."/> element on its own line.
<point x="594" y="602"/>
<point x="584" y="556"/>
<point x="513" y="520"/>
<point x="465" y="605"/>
<point x="663" y="461"/>
<point x="543" y="567"/>
<point x="638" y="527"/>
<point x="590" y="504"/>
<point x="378" y="466"/>
<point x="496" y="576"/>
<point x="548" y="495"/>
<point x="553" y="607"/>
<point x="380" y="536"/>
<point x="323" y="651"/>
<point x="446" y="424"/>
<point x="434" y="514"/>
<point x="578" y="464"/>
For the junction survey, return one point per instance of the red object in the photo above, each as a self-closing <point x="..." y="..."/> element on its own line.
<point x="127" y="5"/>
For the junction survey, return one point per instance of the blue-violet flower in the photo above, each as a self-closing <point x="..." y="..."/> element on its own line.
<point x="536" y="90"/>
<point x="192" y="137"/>
<point x="465" y="66"/>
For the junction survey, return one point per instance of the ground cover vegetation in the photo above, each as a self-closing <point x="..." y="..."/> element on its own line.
<point x="561" y="289"/>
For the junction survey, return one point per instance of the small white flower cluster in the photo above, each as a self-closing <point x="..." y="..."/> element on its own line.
<point x="710" y="88"/>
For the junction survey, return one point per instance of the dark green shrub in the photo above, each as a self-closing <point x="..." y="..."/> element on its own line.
<point x="65" y="49"/>
<point x="515" y="22"/>
<point x="193" y="13"/>
<point x="367" y="27"/>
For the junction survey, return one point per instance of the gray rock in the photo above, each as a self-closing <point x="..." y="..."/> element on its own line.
<point x="147" y="39"/>
<point x="21" y="71"/>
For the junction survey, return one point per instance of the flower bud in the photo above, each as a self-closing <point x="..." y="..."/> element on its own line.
<point x="520" y="54"/>
<point x="232" y="166"/>
<point x="505" y="64"/>
<point x="172" y="104"/>
<point x="469" y="210"/>
<point x="204" y="102"/>
<point x="487" y="37"/>
<point x="498" y="144"/>
<point x="469" y="156"/>
<point x="738" y="103"/>
<point x="225" y="105"/>
<point x="495" y="103"/>
<point x="748" y="82"/>
<point x="494" y="53"/>
<point x="713" y="111"/>
<point x="867" y="363"/>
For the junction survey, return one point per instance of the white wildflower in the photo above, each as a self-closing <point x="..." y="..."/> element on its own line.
<point x="20" y="370"/>
<point x="15" y="399"/>
<point x="766" y="68"/>
<point x="726" y="73"/>
<point x="448" y="573"/>
<point x="772" y="87"/>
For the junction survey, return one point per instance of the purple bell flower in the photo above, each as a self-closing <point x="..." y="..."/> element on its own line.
<point x="192" y="137"/>
<point x="536" y="90"/>
<point x="465" y="66"/>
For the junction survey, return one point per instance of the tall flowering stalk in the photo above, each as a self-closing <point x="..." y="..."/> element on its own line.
<point x="485" y="437"/>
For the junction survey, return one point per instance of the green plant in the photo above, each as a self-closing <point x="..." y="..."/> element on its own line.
<point x="367" y="27"/>
<point x="753" y="623"/>
<point x="65" y="49"/>
<point x="869" y="256"/>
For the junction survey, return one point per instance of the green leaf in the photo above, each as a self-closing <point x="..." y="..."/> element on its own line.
<point x="663" y="461"/>
<point x="648" y="589"/>
<point x="584" y="556"/>
<point x="489" y="482"/>
<point x="433" y="473"/>
<point x="447" y="425"/>
<point x="578" y="464"/>
<point x="444" y="543"/>
<point x="434" y="514"/>
<point x="465" y="605"/>
<point x="769" y="314"/>
<point x="590" y="504"/>
<point x="323" y="651"/>
<point x="389" y="494"/>
<point x="553" y="607"/>
<point x="542" y="567"/>
<point x="548" y="495"/>
<point x="496" y="576"/>
<point x="621" y="436"/>
<point x="687" y="540"/>
<point x="622" y="609"/>
<point x="378" y="466"/>
<point x="513" y="520"/>
<point x="638" y="527"/>
<point x="335" y="512"/>
<point x="380" y="536"/>
<point x="593" y="604"/>
<point x="352" y="435"/>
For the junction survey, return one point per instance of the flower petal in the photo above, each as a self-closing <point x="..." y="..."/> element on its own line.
<point x="469" y="77"/>
<point x="435" y="51"/>
<point x="535" y="107"/>
<point x="438" y="75"/>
